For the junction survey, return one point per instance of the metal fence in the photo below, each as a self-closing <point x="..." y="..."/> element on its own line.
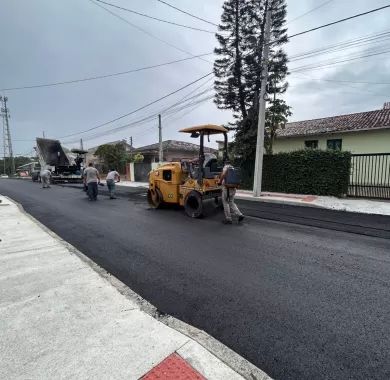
<point x="141" y="171"/>
<point x="370" y="176"/>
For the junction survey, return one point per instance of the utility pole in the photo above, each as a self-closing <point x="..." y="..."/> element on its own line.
<point x="7" y="142"/>
<point x="43" y="134"/>
<point x="131" y="143"/>
<point x="160" y="151"/>
<point x="4" y="143"/>
<point x="261" y="118"/>
<point x="81" y="144"/>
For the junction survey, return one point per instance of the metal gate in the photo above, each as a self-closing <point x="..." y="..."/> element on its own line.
<point x="370" y="176"/>
<point x="141" y="171"/>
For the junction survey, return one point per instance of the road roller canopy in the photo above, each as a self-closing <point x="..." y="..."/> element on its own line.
<point x="209" y="129"/>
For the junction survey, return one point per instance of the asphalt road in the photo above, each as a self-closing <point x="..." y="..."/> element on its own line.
<point x="300" y="302"/>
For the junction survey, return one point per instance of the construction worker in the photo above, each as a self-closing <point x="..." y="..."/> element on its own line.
<point x="112" y="177"/>
<point x="45" y="178"/>
<point x="92" y="179"/>
<point x="228" y="194"/>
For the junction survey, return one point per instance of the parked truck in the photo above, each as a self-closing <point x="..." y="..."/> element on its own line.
<point x="64" y="167"/>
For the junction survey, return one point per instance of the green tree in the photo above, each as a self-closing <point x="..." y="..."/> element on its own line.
<point x="138" y="157"/>
<point x="113" y="156"/>
<point x="19" y="161"/>
<point x="231" y="91"/>
<point x="238" y="70"/>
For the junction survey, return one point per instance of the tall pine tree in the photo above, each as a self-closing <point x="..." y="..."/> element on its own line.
<point x="231" y="92"/>
<point x="239" y="66"/>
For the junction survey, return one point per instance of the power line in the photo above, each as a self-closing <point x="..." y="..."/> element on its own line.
<point x="140" y="108"/>
<point x="188" y="13"/>
<point x="333" y="63"/>
<point x="346" y="81"/>
<point x="308" y="12"/>
<point x="374" y="38"/>
<point x="357" y="42"/>
<point x="348" y="84"/>
<point x="338" y="21"/>
<point x="145" y="120"/>
<point x="170" y="110"/>
<point x="155" y="18"/>
<point x="105" y="75"/>
<point x="145" y="31"/>
<point x="151" y="117"/>
<point x="193" y="107"/>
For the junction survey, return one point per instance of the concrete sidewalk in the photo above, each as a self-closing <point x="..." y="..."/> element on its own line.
<point x="62" y="316"/>
<point x="358" y="205"/>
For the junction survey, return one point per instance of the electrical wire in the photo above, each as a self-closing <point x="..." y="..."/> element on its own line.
<point x="309" y="54"/>
<point x="105" y="75"/>
<point x="345" y="81"/>
<point x="335" y="62"/>
<point x="146" y="119"/>
<point x="338" y="21"/>
<point x="348" y="44"/>
<point x="308" y="12"/>
<point x="154" y="114"/>
<point x="140" y="108"/>
<point x="348" y="84"/>
<point x="145" y="31"/>
<point x="155" y="18"/>
<point x="171" y="119"/>
<point x="184" y="102"/>
<point x="188" y="13"/>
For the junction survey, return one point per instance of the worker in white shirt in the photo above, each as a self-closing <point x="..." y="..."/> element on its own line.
<point x="45" y="178"/>
<point x="92" y="180"/>
<point x="112" y="177"/>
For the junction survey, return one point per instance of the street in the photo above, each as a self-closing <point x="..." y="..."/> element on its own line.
<point x="300" y="302"/>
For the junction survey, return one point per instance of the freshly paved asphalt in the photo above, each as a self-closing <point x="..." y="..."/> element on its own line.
<point x="300" y="302"/>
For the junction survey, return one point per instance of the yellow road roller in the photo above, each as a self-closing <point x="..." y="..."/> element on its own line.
<point x="189" y="183"/>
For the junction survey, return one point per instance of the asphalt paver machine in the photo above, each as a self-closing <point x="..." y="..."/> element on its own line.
<point x="64" y="168"/>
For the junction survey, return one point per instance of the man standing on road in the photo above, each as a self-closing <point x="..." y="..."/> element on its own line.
<point x="228" y="194"/>
<point x="112" y="177"/>
<point x="92" y="179"/>
<point x="45" y="178"/>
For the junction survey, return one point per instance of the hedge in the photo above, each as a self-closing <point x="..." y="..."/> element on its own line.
<point x="309" y="171"/>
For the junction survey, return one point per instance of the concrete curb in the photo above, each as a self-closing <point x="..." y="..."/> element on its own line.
<point x="281" y="202"/>
<point x="219" y="350"/>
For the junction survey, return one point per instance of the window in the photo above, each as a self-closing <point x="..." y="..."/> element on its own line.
<point x="335" y="144"/>
<point x="167" y="175"/>
<point x="311" y="144"/>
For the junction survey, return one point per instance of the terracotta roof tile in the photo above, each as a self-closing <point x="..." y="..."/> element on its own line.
<point x="379" y="119"/>
<point x="174" y="145"/>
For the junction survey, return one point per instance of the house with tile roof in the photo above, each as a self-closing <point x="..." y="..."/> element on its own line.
<point x="173" y="150"/>
<point x="363" y="132"/>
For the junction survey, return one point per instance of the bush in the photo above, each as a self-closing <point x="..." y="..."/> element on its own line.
<point x="307" y="171"/>
<point x="138" y="158"/>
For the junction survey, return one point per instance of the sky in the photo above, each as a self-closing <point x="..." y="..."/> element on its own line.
<point x="46" y="41"/>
